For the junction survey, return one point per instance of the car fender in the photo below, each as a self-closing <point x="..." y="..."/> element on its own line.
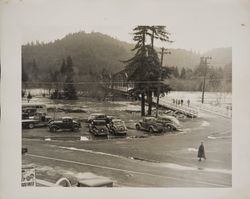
<point x="138" y="124"/>
<point x="53" y="126"/>
<point x="153" y="127"/>
<point x="172" y="126"/>
<point x="77" y="125"/>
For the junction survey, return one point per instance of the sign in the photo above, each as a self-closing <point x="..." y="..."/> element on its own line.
<point x="28" y="177"/>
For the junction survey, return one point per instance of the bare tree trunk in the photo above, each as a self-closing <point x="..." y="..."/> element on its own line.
<point x="142" y="104"/>
<point x="149" y="102"/>
<point x="157" y="102"/>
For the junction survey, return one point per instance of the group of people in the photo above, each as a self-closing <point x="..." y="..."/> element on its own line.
<point x="179" y="102"/>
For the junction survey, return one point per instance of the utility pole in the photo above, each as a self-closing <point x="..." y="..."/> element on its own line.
<point x="205" y="64"/>
<point x="158" y="89"/>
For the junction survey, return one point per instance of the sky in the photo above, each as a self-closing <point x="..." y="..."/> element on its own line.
<point x="199" y="25"/>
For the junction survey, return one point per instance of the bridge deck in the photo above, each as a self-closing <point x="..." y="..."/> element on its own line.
<point x="184" y="109"/>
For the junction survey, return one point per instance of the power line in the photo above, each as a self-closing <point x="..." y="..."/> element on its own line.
<point x="207" y="78"/>
<point x="99" y="82"/>
<point x="127" y="82"/>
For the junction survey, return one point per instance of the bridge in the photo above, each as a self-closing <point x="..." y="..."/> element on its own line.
<point x="188" y="111"/>
<point x="183" y="109"/>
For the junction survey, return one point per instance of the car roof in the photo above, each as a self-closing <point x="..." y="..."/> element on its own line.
<point x="97" y="114"/>
<point x="116" y="120"/>
<point x="32" y="104"/>
<point x="99" y="121"/>
<point x="149" y="118"/>
<point x="66" y="117"/>
<point x="167" y="116"/>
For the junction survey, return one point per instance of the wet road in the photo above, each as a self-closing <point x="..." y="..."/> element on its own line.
<point x="168" y="160"/>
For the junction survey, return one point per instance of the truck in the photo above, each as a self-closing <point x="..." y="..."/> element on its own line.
<point x="37" y="120"/>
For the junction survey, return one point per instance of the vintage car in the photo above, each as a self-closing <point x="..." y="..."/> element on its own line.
<point x="98" y="116"/>
<point x="66" y="123"/>
<point x="99" y="127"/>
<point x="117" y="127"/>
<point x="150" y="124"/>
<point x="170" y="123"/>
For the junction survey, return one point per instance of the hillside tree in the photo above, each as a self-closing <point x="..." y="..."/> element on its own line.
<point x="183" y="73"/>
<point x="68" y="85"/>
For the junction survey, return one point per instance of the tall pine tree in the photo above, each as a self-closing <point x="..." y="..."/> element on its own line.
<point x="156" y="32"/>
<point x="183" y="73"/>
<point x="136" y="66"/>
<point x="144" y="67"/>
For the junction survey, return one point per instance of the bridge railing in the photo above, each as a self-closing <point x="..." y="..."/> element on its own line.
<point x="186" y="110"/>
<point x="222" y="111"/>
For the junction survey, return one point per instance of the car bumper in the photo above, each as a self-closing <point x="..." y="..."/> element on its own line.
<point x="124" y="132"/>
<point x="101" y="133"/>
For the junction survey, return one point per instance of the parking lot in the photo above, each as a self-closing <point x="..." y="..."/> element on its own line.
<point x="126" y="111"/>
<point x="165" y="159"/>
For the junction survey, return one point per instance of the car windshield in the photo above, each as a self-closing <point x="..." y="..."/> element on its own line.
<point x="99" y="123"/>
<point x="67" y="120"/>
<point x="164" y="120"/>
<point x="172" y="119"/>
<point x="175" y="120"/>
<point x="118" y="122"/>
<point x="151" y="119"/>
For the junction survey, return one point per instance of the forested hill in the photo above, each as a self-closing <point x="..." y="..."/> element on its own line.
<point x="182" y="58"/>
<point x="189" y="59"/>
<point x="220" y="56"/>
<point x="94" y="52"/>
<point x="90" y="52"/>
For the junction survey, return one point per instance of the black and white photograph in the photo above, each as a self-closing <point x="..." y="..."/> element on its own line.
<point x="126" y="107"/>
<point x="128" y="94"/>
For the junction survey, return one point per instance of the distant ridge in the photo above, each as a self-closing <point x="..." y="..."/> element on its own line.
<point x="95" y="52"/>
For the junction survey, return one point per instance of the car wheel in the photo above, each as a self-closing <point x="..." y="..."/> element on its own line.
<point x="137" y="126"/>
<point x="113" y="132"/>
<point x="53" y="129"/>
<point x="151" y="130"/>
<point x="31" y="126"/>
<point x="169" y="128"/>
<point x="75" y="129"/>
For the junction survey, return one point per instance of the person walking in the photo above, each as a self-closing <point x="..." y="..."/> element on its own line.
<point x="181" y="102"/>
<point x="29" y="97"/>
<point x="201" y="152"/>
<point x="188" y="102"/>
